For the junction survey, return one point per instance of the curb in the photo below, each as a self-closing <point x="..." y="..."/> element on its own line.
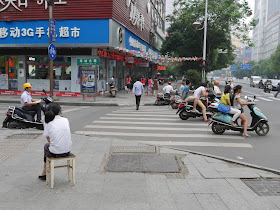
<point x="70" y="103"/>
<point x="275" y="171"/>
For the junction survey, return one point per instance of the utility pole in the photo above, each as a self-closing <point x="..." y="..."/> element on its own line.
<point x="204" y="43"/>
<point x="50" y="4"/>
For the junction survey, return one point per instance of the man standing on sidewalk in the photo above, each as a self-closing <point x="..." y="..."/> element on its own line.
<point x="138" y="90"/>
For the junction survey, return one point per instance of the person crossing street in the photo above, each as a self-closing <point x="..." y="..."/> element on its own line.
<point x="137" y="91"/>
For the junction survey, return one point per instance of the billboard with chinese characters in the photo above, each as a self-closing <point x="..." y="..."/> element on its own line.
<point x="67" y="32"/>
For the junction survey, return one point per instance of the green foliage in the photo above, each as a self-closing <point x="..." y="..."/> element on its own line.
<point x="225" y="18"/>
<point x="194" y="76"/>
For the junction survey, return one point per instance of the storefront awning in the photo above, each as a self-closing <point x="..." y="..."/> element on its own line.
<point x="156" y="58"/>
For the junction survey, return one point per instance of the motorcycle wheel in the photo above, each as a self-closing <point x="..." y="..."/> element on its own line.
<point x="174" y="106"/>
<point x="114" y="93"/>
<point x="262" y="129"/>
<point x="14" y="125"/>
<point x="216" y="128"/>
<point x="184" y="115"/>
<point x="268" y="91"/>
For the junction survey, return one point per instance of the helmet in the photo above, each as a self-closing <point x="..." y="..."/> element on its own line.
<point x="169" y="83"/>
<point x="25" y="85"/>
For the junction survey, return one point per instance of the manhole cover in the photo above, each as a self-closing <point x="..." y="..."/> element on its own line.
<point x="264" y="187"/>
<point x="134" y="149"/>
<point x="23" y="136"/>
<point x="143" y="163"/>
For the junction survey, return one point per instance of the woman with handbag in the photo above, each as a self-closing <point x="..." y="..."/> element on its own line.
<point x="225" y="100"/>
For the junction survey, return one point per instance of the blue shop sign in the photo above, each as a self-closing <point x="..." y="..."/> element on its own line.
<point x="133" y="42"/>
<point x="67" y="32"/>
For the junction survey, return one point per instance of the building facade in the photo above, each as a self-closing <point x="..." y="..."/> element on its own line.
<point x="266" y="35"/>
<point x="88" y="33"/>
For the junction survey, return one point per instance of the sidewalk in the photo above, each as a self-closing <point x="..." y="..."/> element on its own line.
<point x="122" y="99"/>
<point x="188" y="182"/>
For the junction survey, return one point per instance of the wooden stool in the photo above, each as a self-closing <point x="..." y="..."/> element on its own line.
<point x="50" y="168"/>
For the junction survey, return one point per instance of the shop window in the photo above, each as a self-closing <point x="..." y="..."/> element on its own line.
<point x="102" y="69"/>
<point x="38" y="68"/>
<point x="8" y="72"/>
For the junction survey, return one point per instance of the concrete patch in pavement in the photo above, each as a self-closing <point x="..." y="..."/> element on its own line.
<point x="275" y="171"/>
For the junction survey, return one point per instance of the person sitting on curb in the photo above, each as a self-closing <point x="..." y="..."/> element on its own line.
<point x="57" y="132"/>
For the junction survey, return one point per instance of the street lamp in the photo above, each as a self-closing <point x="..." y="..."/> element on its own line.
<point x="196" y="25"/>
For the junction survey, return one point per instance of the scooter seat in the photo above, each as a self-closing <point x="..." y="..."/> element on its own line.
<point x="27" y="112"/>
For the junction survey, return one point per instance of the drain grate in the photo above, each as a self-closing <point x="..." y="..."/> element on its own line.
<point x="143" y="163"/>
<point x="133" y="149"/>
<point x="24" y="136"/>
<point x="264" y="187"/>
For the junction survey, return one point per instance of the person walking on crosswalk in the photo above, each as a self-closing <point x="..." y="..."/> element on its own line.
<point x="278" y="88"/>
<point x="137" y="91"/>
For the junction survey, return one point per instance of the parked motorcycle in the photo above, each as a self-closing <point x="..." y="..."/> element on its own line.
<point x="163" y="99"/>
<point x="113" y="89"/>
<point x="221" y="122"/>
<point x="17" y="118"/>
<point x="185" y="109"/>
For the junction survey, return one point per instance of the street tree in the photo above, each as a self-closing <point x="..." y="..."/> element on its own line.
<point x="226" y="18"/>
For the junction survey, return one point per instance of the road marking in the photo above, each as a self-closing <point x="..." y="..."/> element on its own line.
<point x="143" y="112"/>
<point x="133" y="118"/>
<point x="184" y="123"/>
<point x="265" y="99"/>
<point x="74" y="109"/>
<point x="278" y="99"/>
<point x="197" y="144"/>
<point x="161" y="135"/>
<point x="251" y="93"/>
<point x="143" y="115"/>
<point x="147" y="109"/>
<point x="146" y="128"/>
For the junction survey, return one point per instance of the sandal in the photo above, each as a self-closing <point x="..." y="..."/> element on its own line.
<point x="245" y="135"/>
<point x="42" y="177"/>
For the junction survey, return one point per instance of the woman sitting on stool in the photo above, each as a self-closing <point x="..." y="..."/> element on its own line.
<point x="57" y="132"/>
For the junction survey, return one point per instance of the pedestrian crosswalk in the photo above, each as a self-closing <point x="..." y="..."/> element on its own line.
<point x="160" y="126"/>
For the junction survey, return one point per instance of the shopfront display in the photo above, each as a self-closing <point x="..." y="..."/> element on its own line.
<point x="8" y="72"/>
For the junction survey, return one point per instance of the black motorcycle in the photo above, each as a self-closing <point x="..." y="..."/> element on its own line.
<point x="185" y="109"/>
<point x="17" y="118"/>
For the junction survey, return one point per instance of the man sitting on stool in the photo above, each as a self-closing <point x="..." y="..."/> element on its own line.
<point x="29" y="104"/>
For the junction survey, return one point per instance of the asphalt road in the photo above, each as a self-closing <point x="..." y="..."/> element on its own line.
<point x="160" y="125"/>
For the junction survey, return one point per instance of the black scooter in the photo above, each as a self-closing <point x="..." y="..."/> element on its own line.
<point x="185" y="109"/>
<point x="17" y="118"/>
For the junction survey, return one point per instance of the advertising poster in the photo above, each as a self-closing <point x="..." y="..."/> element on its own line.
<point x="4" y="82"/>
<point x="87" y="81"/>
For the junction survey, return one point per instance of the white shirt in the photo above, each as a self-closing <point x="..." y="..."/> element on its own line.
<point x="181" y="90"/>
<point x="217" y="90"/>
<point x="25" y="97"/>
<point x="198" y="92"/>
<point x="168" y="89"/>
<point x="60" y="136"/>
<point x="138" y="88"/>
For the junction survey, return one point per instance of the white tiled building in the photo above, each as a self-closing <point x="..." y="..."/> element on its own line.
<point x="266" y="36"/>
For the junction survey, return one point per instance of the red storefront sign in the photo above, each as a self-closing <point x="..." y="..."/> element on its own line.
<point x="161" y="68"/>
<point x="114" y="56"/>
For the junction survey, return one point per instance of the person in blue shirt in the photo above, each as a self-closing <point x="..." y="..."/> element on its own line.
<point x="186" y="90"/>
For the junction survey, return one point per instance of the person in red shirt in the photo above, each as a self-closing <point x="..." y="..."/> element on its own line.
<point x="143" y="81"/>
<point x="128" y="84"/>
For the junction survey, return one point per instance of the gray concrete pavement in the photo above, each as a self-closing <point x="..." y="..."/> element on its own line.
<point x="203" y="183"/>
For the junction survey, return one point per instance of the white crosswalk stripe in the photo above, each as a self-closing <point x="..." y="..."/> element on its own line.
<point x="277" y="99"/>
<point x="160" y="126"/>
<point x="183" y="123"/>
<point x="265" y="99"/>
